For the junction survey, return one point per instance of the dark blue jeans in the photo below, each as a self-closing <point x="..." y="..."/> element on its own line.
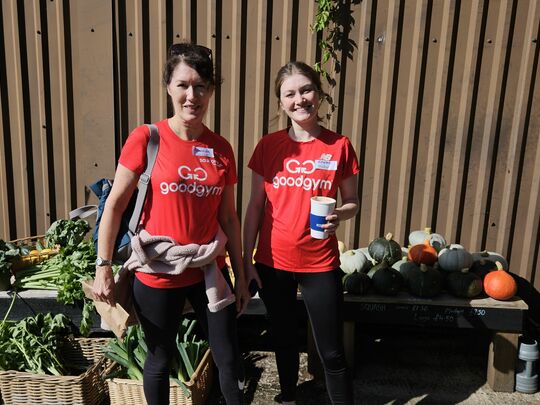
<point x="323" y="297"/>
<point x="160" y="314"/>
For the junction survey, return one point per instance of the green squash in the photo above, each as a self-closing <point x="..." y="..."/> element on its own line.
<point x="385" y="249"/>
<point x="482" y="267"/>
<point x="425" y="282"/>
<point x="386" y="280"/>
<point x="356" y="283"/>
<point x="464" y="284"/>
<point x="406" y="267"/>
<point x="455" y="258"/>
<point x="493" y="256"/>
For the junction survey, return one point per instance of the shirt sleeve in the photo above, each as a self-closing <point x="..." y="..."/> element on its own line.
<point x="256" y="163"/>
<point x="231" y="176"/>
<point x="133" y="154"/>
<point x="350" y="161"/>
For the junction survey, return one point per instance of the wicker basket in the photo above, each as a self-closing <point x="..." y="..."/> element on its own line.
<point x="124" y="391"/>
<point x="32" y="258"/>
<point x="85" y="389"/>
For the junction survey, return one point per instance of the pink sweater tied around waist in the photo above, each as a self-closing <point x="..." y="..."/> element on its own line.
<point x="161" y="254"/>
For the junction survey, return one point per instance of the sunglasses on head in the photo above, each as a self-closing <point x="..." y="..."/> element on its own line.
<point x="182" y="48"/>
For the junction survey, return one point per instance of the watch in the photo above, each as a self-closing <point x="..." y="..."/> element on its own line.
<point x="103" y="262"/>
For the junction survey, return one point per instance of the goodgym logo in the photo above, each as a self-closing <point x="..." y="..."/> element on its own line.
<point x="198" y="173"/>
<point x="306" y="167"/>
<point x="304" y="181"/>
<point x="194" y="186"/>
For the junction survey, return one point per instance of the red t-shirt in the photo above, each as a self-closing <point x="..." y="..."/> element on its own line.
<point x="293" y="173"/>
<point x="185" y="190"/>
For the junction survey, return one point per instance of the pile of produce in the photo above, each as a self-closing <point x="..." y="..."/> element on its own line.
<point x="427" y="267"/>
<point x="34" y="344"/>
<point x="64" y="272"/>
<point x="130" y="353"/>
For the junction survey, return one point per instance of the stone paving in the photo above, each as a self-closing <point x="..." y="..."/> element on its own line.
<point x="393" y="366"/>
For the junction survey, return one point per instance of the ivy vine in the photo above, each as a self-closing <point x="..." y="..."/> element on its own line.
<point x="334" y="20"/>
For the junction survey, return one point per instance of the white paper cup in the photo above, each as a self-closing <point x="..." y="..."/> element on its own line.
<point x="320" y="208"/>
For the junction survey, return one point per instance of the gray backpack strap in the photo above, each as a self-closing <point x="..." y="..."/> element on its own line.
<point x="83" y="212"/>
<point x="144" y="180"/>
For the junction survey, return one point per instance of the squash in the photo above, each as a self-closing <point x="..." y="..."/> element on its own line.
<point x="356" y="283"/>
<point x="425" y="282"/>
<point x="423" y="253"/>
<point x="342" y="247"/>
<point x="482" y="267"/>
<point x="385" y="249"/>
<point x="499" y="284"/>
<point x="401" y="262"/>
<point x="365" y="251"/>
<point x="455" y="258"/>
<point x="464" y="284"/>
<point x="386" y="280"/>
<point x="406" y="268"/>
<point x="493" y="256"/>
<point x="352" y="260"/>
<point x="436" y="240"/>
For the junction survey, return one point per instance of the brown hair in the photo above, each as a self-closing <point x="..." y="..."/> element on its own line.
<point x="197" y="57"/>
<point x="297" y="67"/>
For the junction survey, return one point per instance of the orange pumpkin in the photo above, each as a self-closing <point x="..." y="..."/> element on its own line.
<point x="423" y="253"/>
<point x="499" y="284"/>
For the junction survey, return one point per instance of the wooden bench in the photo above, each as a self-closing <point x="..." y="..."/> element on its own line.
<point x="504" y="318"/>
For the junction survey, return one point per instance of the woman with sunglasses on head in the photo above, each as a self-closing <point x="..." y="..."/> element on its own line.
<point x="191" y="202"/>
<point x="288" y="168"/>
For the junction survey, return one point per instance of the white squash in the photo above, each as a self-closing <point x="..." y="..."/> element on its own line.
<point x="436" y="240"/>
<point x="365" y="251"/>
<point x="352" y="260"/>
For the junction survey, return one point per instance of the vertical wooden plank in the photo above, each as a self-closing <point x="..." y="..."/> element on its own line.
<point x="433" y="110"/>
<point x="255" y="46"/>
<point x="516" y="132"/>
<point x="16" y="117"/>
<point x="181" y="20"/>
<point x="405" y="120"/>
<point x="523" y="246"/>
<point x="306" y="45"/>
<point x="456" y="139"/>
<point x="59" y="109"/>
<point x="206" y="26"/>
<point x="135" y="65"/>
<point x="354" y="107"/>
<point x="4" y="208"/>
<point x="158" y="56"/>
<point x="482" y="145"/>
<point x="38" y="123"/>
<point x="91" y="24"/>
<point x="382" y="79"/>
<point x="230" y="71"/>
<point x="279" y="55"/>
<point x="498" y="210"/>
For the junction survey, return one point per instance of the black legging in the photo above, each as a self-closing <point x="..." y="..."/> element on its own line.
<point x="323" y="297"/>
<point x="160" y="314"/>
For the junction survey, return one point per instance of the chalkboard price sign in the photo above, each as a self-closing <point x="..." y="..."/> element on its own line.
<point x="431" y="313"/>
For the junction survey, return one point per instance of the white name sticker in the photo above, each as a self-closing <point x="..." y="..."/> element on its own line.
<point x="198" y="151"/>
<point x="326" y="164"/>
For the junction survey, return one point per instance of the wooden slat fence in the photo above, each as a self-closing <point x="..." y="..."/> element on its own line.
<point x="440" y="99"/>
